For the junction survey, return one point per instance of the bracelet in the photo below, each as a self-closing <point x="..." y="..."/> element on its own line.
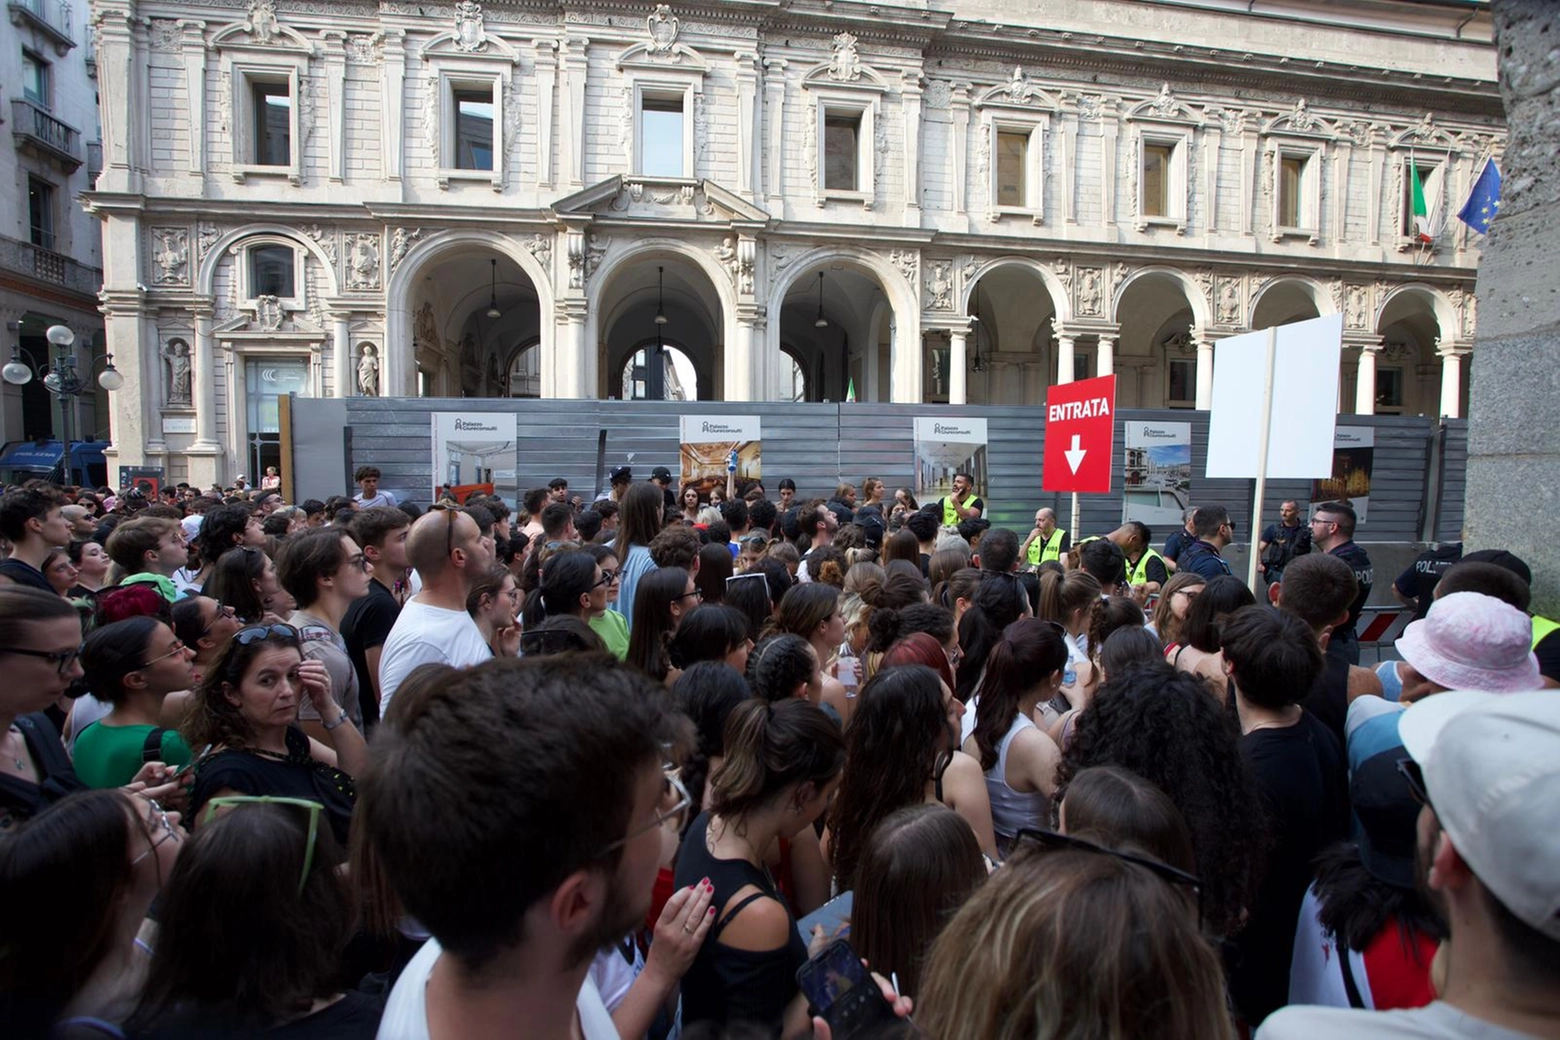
<point x="332" y="725"/>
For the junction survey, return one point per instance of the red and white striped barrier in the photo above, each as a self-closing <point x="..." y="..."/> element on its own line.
<point x="1383" y="624"/>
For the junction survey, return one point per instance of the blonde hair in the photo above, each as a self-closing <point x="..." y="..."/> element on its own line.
<point x="1010" y="965"/>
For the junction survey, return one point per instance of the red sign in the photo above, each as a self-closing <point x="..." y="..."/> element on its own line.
<point x="1080" y="436"/>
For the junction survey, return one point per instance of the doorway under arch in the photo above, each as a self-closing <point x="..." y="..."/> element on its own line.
<point x="679" y="376"/>
<point x="661" y="296"/>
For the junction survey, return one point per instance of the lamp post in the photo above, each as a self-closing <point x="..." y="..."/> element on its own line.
<point x="62" y="380"/>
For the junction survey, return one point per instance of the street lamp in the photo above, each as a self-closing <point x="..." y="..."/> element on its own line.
<point x="61" y="379"/>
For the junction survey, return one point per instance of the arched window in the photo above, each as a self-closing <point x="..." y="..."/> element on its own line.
<point x="793" y="378"/>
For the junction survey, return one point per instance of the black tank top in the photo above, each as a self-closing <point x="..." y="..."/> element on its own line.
<point x="726" y="985"/>
<point x="1329" y="696"/>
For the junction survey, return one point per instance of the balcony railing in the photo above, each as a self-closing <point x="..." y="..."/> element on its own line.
<point x="45" y="265"/>
<point x="33" y="128"/>
<point x="50" y="18"/>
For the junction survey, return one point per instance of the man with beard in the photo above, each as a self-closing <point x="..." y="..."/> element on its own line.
<point x="1486" y="769"/>
<point x="522" y="881"/>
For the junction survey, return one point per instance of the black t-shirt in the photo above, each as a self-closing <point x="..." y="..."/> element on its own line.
<point x="1548" y="652"/>
<point x="365" y="625"/>
<point x="1284" y="544"/>
<point x="24" y="573"/>
<point x="1359" y="562"/>
<point x="297" y="776"/>
<point x="1176" y="544"/>
<point x="20" y="799"/>
<point x="1420" y="578"/>
<point x="354" y="1017"/>
<point x="1301" y="774"/>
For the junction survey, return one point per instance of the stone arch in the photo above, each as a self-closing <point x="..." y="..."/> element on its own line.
<point x="1061" y="300"/>
<point x="207" y="271"/>
<point x="1310" y="288"/>
<point x="1440" y="307"/>
<point x="728" y="367"/>
<point x="1196" y="299"/>
<point x="903" y="299"/>
<point x="399" y="369"/>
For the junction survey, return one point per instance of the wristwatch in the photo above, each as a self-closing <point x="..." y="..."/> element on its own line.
<point x="339" y="720"/>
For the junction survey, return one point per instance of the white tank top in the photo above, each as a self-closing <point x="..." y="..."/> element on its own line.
<point x="1013" y="811"/>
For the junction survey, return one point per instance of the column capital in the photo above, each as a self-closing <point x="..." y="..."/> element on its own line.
<point x="1453" y="348"/>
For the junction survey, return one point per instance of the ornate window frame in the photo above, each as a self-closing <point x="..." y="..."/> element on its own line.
<point x="1296" y="135"/>
<point x="1020" y="106"/>
<point x="661" y="67"/>
<point x="844" y="85"/>
<point x="1427" y="145"/>
<point x="243" y="271"/>
<point x="1165" y="121"/>
<point x="469" y="57"/>
<point x="253" y="52"/>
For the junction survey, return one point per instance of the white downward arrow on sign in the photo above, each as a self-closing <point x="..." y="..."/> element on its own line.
<point x="1075" y="454"/>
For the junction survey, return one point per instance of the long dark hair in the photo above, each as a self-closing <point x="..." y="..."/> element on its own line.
<point x="916" y="869"/>
<point x="653" y="623"/>
<point x="211" y="718"/>
<point x="999" y="601"/>
<point x="639" y="516"/>
<point x="707" y="692"/>
<point x="112" y="652"/>
<point x="770" y="747"/>
<point x="233" y="581"/>
<point x="63" y="874"/>
<point x="1220" y="598"/>
<point x="715" y="566"/>
<point x="707" y="633"/>
<point x="778" y="665"/>
<point x="892" y="746"/>
<point x="805" y="607"/>
<point x="564" y="579"/>
<point x="1133" y="719"/>
<point x="292" y="941"/>
<point x="1029" y="652"/>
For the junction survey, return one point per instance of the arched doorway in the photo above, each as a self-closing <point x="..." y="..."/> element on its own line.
<point x="666" y="301"/>
<point x="836" y="335"/>
<point x="678" y="377"/>
<point x="1010" y="350"/>
<point x="1156" y="355"/>
<point x="1283" y="302"/>
<point x="1408" y="371"/>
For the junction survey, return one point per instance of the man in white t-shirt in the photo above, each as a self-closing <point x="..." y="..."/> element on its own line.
<point x="554" y="884"/>
<point x="1487" y="769"/>
<point x="448" y="553"/>
<point x="369" y="495"/>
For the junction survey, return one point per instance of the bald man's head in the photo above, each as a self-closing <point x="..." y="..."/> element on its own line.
<point x="442" y="538"/>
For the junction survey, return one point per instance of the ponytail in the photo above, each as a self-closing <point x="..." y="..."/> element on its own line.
<point x="1029" y="652"/>
<point x="1062" y="593"/>
<point x="770" y="747"/>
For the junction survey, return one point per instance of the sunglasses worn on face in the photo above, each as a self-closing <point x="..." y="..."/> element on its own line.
<point x="1412" y="775"/>
<point x="1053" y="841"/>
<point x="313" y="809"/>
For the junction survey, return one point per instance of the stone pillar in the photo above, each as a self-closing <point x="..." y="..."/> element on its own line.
<point x="1451" y="380"/>
<point x="1105" y="356"/>
<point x="1064" y="360"/>
<point x="958" y="367"/>
<point x="774" y="126"/>
<point x="546" y="84"/>
<point x="1365" y="381"/>
<point x="574" y="116"/>
<point x="1204" y="370"/>
<point x="343" y="371"/>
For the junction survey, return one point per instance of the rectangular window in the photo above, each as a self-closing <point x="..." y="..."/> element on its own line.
<point x="841" y="151"/>
<point x="271" y="272"/>
<point x="272" y="108"/>
<point x="1389" y="389"/>
<point x="661" y="135"/>
<point x="35" y="79"/>
<point x="1291" y="181"/>
<point x="1012" y="166"/>
<point x="40" y="212"/>
<point x="1183" y="383"/>
<point x="473" y="128"/>
<point x="1156" y="179"/>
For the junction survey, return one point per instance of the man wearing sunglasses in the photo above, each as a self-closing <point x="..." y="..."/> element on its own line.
<point x="528" y="887"/>
<point x="1486" y="768"/>
<point x="447" y="550"/>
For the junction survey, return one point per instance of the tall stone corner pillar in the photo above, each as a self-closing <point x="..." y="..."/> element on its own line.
<point x="570" y="373"/>
<point x="205" y="455"/>
<point x="906" y="360"/>
<point x="1365" y="380"/>
<point x="1204" y="343"/>
<point x="958" y="366"/>
<point x="1513" y="472"/>
<point x="130" y="406"/>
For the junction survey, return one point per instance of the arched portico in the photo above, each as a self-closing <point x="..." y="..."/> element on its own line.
<point x="1417" y="326"/>
<point x="857" y="332"/>
<point x="1164" y="356"/>
<point x="1016" y="306"/>
<point x="1281" y="301"/>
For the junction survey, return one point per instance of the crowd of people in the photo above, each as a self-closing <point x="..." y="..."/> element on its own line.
<point x="617" y="768"/>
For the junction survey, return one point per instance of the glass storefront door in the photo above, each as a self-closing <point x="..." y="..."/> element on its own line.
<point x="266" y="380"/>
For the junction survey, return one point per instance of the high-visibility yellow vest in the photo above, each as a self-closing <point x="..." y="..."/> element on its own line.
<point x="1542" y="627"/>
<point x="1042" y="549"/>
<point x="950" y="515"/>
<point x="1139" y="573"/>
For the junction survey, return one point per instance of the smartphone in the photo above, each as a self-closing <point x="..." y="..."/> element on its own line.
<point x="843" y="994"/>
<point x="192" y="763"/>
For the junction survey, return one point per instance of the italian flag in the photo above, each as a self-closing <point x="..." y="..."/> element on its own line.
<point x="1426" y="218"/>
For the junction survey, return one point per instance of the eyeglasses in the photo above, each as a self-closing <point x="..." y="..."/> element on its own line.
<point x="260" y="633"/>
<point x="178" y="648"/>
<point x="313" y="808"/>
<point x="1412" y="775"/>
<point x="697" y="594"/>
<point x="222" y="611"/>
<point x="164" y="828"/>
<point x="1053" y="841"/>
<point x="61" y="659"/>
<point x="607" y="578"/>
<point x="674" y="804"/>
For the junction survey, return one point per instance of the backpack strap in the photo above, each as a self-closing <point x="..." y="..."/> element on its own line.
<point x="151" y="750"/>
<point x="1349" y="985"/>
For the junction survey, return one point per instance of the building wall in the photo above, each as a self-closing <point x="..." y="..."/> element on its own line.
<point x="393" y="245"/>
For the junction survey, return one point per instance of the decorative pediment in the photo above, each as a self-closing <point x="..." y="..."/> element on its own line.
<point x="269" y="319"/>
<point x="262" y="30"/>
<point x="661" y="198"/>
<point x="845" y="69"/>
<point x="660" y="48"/>
<point x="1018" y="92"/>
<point x="1164" y="107"/>
<point x="469" y="37"/>
<point x="1425" y="133"/>
<point x="1300" y="122"/>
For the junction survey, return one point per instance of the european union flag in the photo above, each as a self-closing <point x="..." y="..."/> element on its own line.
<point x="1483" y="203"/>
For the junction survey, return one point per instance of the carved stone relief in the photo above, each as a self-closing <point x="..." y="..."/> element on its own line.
<point x="939" y="287"/>
<point x="171" y="255"/>
<point x="1089" y="302"/>
<point x="401" y="240"/>
<point x="363" y="262"/>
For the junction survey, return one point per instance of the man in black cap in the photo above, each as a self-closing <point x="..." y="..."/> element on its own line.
<point x="663" y="477"/>
<point x="620" y="478"/>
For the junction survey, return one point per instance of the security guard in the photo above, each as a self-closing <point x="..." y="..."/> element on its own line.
<point x="1046" y="541"/>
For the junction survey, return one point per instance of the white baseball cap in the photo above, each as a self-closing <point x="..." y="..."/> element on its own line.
<point x="1491" y="764"/>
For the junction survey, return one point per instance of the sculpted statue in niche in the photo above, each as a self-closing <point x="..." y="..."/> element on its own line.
<point x="1229" y="301"/>
<point x="368" y="371"/>
<point x="177" y="354"/>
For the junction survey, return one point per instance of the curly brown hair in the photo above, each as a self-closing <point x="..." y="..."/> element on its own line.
<point x="213" y="719"/>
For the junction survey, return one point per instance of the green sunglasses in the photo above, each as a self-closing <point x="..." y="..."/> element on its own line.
<point x="314" y="809"/>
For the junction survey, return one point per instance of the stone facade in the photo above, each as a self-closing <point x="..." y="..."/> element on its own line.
<point x="507" y="198"/>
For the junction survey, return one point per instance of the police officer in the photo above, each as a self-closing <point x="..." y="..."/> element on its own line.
<point x="1282" y="542"/>
<point x="1332" y="531"/>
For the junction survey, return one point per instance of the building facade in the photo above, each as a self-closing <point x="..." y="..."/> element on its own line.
<point x="50" y="255"/>
<point x="798" y="199"/>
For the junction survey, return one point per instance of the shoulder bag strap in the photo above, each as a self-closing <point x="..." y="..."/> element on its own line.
<point x="151" y="749"/>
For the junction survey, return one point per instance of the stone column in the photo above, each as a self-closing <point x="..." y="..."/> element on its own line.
<point x="343" y="371"/>
<point x="1105" y="356"/>
<point x="1365" y="380"/>
<point x="958" y="366"/>
<point x="1064" y="360"/>
<point x="1204" y="369"/>
<point x="1451" y="379"/>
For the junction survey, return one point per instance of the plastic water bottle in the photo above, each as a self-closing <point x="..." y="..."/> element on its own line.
<point x="731" y="461"/>
<point x="847" y="669"/>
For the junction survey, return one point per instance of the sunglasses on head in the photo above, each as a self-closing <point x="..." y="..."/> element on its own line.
<point x="311" y="807"/>
<point x="1053" y="841"/>
<point x="259" y="633"/>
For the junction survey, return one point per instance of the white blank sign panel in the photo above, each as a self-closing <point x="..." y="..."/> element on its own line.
<point x="1305" y="401"/>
